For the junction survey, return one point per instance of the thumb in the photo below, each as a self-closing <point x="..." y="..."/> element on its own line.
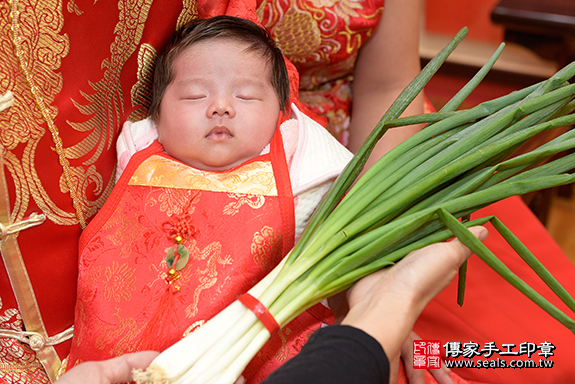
<point x="120" y="369"/>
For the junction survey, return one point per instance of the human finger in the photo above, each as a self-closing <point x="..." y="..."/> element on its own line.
<point x="394" y="369"/>
<point x="426" y="272"/>
<point x="112" y="371"/>
<point x="120" y="369"/>
<point x="414" y="376"/>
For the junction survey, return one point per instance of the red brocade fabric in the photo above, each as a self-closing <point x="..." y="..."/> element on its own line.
<point x="322" y="39"/>
<point x="231" y="224"/>
<point x="233" y="239"/>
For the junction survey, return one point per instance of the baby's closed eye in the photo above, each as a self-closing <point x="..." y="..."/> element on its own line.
<point x="247" y="97"/>
<point x="194" y="94"/>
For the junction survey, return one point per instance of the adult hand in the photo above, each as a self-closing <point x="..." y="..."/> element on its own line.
<point x="116" y="370"/>
<point x="415" y="376"/>
<point x="387" y="303"/>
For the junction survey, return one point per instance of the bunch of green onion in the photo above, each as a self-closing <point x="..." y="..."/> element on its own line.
<point x="419" y="193"/>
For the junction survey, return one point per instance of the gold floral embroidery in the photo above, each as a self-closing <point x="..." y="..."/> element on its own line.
<point x="72" y="7"/>
<point x="84" y="179"/>
<point x="172" y="201"/>
<point x="127" y="235"/>
<point x="189" y="12"/>
<point x="30" y="71"/>
<point x="309" y="32"/>
<point x="18" y="363"/>
<point x="142" y="90"/>
<point x="118" y="282"/>
<point x="253" y="201"/>
<point x="106" y="105"/>
<point x="322" y="38"/>
<point x="263" y="178"/>
<point x="283" y="353"/>
<point x="80" y="310"/>
<point x="117" y="338"/>
<point x="342" y="8"/>
<point x="19" y="370"/>
<point x="266" y="248"/>
<point x="297" y="34"/>
<point x="11" y="313"/>
<point x="207" y="276"/>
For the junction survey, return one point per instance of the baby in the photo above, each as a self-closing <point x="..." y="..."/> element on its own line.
<point x="206" y="210"/>
<point x="217" y="100"/>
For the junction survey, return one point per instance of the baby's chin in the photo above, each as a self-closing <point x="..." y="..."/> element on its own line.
<point x="218" y="166"/>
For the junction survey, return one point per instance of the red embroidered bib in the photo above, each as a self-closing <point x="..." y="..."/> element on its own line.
<point x="233" y="227"/>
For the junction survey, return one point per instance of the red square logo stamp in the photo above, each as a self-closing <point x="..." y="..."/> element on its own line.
<point x="426" y="354"/>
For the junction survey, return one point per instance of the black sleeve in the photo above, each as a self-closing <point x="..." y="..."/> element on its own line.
<point x="336" y="354"/>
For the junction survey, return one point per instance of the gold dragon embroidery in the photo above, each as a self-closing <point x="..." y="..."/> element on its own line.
<point x="207" y="277"/>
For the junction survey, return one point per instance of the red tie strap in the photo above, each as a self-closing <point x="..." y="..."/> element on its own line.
<point x="260" y="311"/>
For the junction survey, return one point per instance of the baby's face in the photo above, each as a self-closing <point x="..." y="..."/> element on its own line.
<point x="221" y="108"/>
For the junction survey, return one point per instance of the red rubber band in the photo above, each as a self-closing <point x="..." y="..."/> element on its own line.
<point x="261" y="312"/>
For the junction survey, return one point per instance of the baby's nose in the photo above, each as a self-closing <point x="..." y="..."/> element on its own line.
<point x="221" y="107"/>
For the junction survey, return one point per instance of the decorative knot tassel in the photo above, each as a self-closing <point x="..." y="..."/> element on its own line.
<point x="156" y="334"/>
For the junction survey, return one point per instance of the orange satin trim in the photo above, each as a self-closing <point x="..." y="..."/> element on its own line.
<point x="254" y="178"/>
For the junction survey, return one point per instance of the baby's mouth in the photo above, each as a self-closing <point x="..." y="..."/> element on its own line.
<point x="219" y="134"/>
